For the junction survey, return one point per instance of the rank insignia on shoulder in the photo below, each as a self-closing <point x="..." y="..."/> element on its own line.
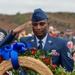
<point x="69" y="55"/>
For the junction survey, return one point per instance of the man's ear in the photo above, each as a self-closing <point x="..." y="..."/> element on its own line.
<point x="49" y="23"/>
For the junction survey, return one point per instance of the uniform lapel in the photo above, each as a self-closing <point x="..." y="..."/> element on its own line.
<point x="49" y="43"/>
<point x="33" y="42"/>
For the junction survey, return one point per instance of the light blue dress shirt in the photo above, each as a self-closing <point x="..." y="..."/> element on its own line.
<point x="43" y="41"/>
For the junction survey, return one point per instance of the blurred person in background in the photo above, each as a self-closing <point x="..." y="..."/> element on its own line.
<point x="52" y="31"/>
<point x="68" y="35"/>
<point x="22" y="33"/>
<point x="31" y="33"/>
<point x="61" y="34"/>
<point x="3" y="34"/>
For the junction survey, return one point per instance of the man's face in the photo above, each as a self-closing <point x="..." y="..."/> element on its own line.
<point x="40" y="28"/>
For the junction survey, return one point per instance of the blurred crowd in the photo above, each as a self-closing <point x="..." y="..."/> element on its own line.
<point x="68" y="35"/>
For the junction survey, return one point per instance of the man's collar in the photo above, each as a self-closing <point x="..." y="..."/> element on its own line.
<point x="44" y="39"/>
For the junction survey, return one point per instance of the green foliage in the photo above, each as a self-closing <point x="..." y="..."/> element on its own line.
<point x="39" y="54"/>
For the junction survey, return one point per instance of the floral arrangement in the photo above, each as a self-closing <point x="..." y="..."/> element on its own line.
<point x="46" y="58"/>
<point x="26" y="50"/>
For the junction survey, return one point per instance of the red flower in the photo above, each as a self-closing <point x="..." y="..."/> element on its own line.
<point x="47" y="61"/>
<point x="53" y="66"/>
<point x="43" y="57"/>
<point x="1" y="59"/>
<point x="33" y="51"/>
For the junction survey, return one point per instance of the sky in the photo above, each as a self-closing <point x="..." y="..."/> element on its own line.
<point x="25" y="6"/>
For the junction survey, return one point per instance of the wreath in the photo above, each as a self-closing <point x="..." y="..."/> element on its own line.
<point x="15" y="52"/>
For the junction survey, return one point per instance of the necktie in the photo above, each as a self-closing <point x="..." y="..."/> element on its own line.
<point x="40" y="45"/>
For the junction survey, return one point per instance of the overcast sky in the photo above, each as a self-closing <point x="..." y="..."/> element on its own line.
<point x="25" y="6"/>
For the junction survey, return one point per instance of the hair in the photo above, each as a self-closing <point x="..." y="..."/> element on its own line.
<point x="61" y="32"/>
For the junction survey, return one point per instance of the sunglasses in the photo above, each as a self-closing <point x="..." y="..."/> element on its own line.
<point x="40" y="23"/>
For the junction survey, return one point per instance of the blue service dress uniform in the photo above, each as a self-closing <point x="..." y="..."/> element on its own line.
<point x="59" y="45"/>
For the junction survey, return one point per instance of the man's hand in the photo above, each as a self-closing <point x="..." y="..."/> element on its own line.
<point x="27" y="24"/>
<point x="20" y="28"/>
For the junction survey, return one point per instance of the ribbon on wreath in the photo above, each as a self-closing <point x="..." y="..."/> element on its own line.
<point x="12" y="51"/>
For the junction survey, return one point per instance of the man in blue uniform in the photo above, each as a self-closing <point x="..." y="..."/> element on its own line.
<point x="40" y="24"/>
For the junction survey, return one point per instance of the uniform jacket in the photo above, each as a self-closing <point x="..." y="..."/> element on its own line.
<point x="54" y="43"/>
<point x="7" y="40"/>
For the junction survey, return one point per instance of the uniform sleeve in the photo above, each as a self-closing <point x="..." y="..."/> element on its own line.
<point x="7" y="40"/>
<point x="66" y="58"/>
